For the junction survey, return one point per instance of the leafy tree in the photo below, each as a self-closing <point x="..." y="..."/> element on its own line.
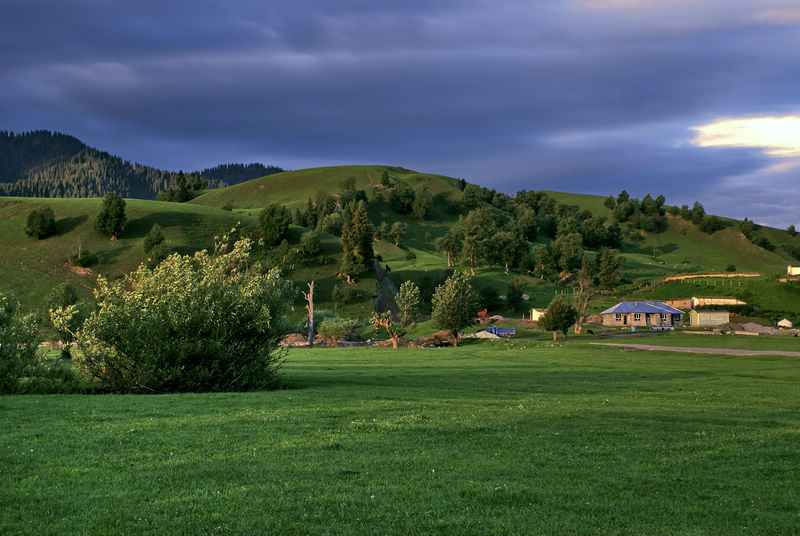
<point x="195" y="323"/>
<point x="407" y="300"/>
<point x="730" y="268"/>
<point x="336" y="295"/>
<point x="455" y="304"/>
<point x="61" y="296"/>
<point x="385" y="181"/>
<point x="382" y="232"/>
<point x="157" y="254"/>
<point x="111" y="220"/>
<point x="153" y="238"/>
<point x="273" y="222"/>
<point x="351" y="193"/>
<point x="384" y="320"/>
<point x="791" y="230"/>
<point x="544" y="264"/>
<point x="585" y="291"/>
<point x="40" y="223"/>
<point x="609" y="263"/>
<point x="17" y="345"/>
<point x="525" y="222"/>
<point x="350" y="266"/>
<point x="711" y="225"/>
<point x="310" y="243"/>
<point x="358" y="234"/>
<point x="697" y="213"/>
<point x="451" y="243"/>
<point x="331" y="223"/>
<point x="747" y="227"/>
<point x="422" y="201"/>
<point x="334" y="328"/>
<point x="472" y="196"/>
<point x="401" y="198"/>
<point x="560" y="315"/>
<point x="610" y="203"/>
<point x="567" y="251"/>
<point x="514" y="294"/>
<point x="398" y="232"/>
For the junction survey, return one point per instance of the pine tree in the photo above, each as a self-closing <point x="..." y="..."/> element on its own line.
<point x="111" y="220"/>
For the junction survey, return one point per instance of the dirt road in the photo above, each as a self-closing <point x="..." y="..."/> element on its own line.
<point x="722" y="351"/>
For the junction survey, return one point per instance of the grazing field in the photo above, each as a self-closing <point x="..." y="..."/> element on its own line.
<point x="490" y="438"/>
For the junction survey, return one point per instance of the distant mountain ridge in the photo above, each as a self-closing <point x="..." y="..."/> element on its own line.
<point x="41" y="163"/>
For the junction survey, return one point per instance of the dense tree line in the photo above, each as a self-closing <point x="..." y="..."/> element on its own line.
<point x="45" y="164"/>
<point x="236" y="173"/>
<point x="40" y="148"/>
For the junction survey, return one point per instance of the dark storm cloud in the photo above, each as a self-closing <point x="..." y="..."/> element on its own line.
<point x="573" y="96"/>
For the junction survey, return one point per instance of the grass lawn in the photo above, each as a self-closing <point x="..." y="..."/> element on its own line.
<point x="491" y="438"/>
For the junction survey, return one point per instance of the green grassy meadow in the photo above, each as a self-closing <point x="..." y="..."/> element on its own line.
<point x="498" y="437"/>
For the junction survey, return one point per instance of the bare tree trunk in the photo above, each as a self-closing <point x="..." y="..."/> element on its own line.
<point x="310" y="307"/>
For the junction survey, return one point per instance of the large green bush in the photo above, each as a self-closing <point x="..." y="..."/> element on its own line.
<point x="17" y="345"/>
<point x="193" y="323"/>
<point x="40" y="223"/>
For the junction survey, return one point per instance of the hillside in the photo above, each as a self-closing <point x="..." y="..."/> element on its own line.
<point x="50" y="164"/>
<point x="30" y="267"/>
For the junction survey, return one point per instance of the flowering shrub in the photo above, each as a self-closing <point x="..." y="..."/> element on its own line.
<point x="194" y="323"/>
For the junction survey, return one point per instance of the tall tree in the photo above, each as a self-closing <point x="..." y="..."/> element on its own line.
<point x="585" y="291"/>
<point x="111" y="220"/>
<point x="273" y="222"/>
<point x="455" y="304"/>
<point x="422" y="201"/>
<point x="559" y="316"/>
<point x="609" y="262"/>
<point x="452" y="244"/>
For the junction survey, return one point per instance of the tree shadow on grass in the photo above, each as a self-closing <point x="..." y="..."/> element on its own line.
<point x="65" y="225"/>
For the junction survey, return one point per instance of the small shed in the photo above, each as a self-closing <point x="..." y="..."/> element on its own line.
<point x="785" y="323"/>
<point x="536" y="314"/>
<point x="708" y="318"/>
<point x="793" y="269"/>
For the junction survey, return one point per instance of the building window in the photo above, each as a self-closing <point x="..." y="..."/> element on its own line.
<point x="618" y="317"/>
<point x="637" y="317"/>
<point x="664" y="317"/>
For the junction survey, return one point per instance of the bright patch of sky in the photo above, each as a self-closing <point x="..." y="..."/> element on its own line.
<point x="777" y="136"/>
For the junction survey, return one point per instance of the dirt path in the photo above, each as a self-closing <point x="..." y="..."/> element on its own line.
<point x="723" y="351"/>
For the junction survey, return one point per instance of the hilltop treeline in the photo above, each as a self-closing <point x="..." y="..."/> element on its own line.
<point x="49" y="164"/>
<point x="236" y="173"/>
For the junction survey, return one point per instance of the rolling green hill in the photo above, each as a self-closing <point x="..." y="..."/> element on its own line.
<point x="31" y="267"/>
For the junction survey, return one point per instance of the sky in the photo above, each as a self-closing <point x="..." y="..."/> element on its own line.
<point x="695" y="100"/>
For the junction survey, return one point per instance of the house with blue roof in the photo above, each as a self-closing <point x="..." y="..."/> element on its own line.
<point x="642" y="314"/>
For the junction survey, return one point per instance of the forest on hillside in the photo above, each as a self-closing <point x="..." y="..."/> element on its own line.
<point x="50" y="164"/>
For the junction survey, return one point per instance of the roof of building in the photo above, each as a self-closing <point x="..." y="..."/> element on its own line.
<point x="642" y="307"/>
<point x="711" y="311"/>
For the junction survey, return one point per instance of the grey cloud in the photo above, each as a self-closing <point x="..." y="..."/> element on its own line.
<point x="476" y="89"/>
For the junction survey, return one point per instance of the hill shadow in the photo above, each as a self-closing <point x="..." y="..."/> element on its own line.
<point x="648" y="250"/>
<point x="65" y="225"/>
<point x="139" y="227"/>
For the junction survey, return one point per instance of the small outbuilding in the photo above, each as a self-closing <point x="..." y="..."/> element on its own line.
<point x="536" y="314"/>
<point x="785" y="323"/>
<point x="793" y="269"/>
<point x="652" y="314"/>
<point x="708" y="318"/>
